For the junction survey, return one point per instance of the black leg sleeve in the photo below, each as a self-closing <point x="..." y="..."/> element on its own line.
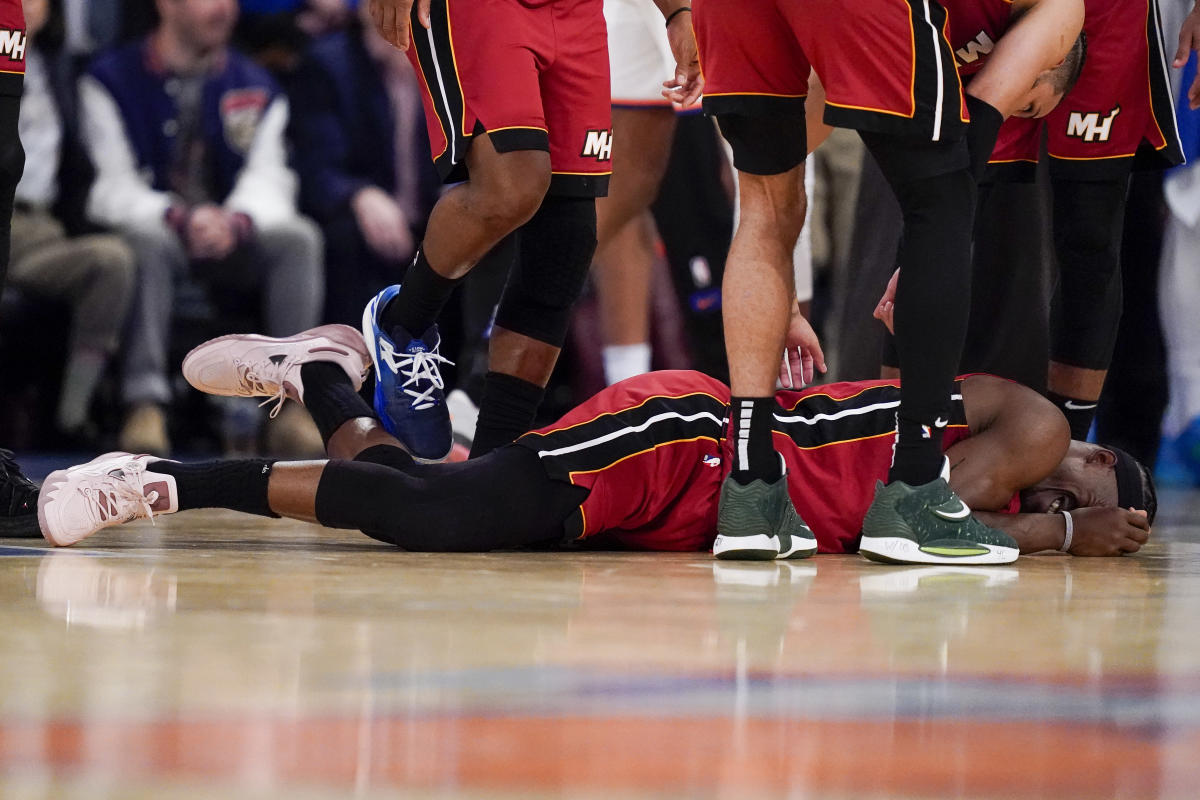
<point x="12" y="164"/>
<point x="934" y="292"/>
<point x="502" y="500"/>
<point x="1086" y="309"/>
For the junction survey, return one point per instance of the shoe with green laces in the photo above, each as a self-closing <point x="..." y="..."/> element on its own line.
<point x="758" y="522"/>
<point x="929" y="524"/>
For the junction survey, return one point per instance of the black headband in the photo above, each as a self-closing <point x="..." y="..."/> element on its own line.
<point x="1130" y="493"/>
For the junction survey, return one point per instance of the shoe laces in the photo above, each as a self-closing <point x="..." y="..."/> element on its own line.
<point x="418" y="367"/>
<point x="265" y="379"/>
<point x="119" y="495"/>
<point x="18" y="494"/>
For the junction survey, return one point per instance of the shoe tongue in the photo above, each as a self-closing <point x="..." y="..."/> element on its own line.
<point x="415" y="344"/>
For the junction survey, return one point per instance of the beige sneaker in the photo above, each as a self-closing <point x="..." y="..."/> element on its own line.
<point x="145" y="431"/>
<point x="108" y="490"/>
<point x="293" y="434"/>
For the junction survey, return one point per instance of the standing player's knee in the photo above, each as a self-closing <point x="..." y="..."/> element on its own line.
<point x="513" y="187"/>
<point x="774" y="203"/>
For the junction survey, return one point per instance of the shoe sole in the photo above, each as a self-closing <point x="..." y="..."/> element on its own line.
<point x="760" y="547"/>
<point x="342" y="335"/>
<point x="898" y="550"/>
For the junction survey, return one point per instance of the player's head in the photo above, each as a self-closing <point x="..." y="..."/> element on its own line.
<point x="1093" y="475"/>
<point x="200" y="25"/>
<point x="1053" y="84"/>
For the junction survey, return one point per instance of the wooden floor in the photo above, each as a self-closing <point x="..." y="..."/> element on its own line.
<point x="215" y="655"/>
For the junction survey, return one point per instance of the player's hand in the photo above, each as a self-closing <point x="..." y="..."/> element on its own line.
<point x="211" y="233"/>
<point x="688" y="84"/>
<point x="801" y="354"/>
<point x="885" y="311"/>
<point x="1108" y="531"/>
<point x="391" y="18"/>
<point x="1189" y="40"/>
<point x="383" y="223"/>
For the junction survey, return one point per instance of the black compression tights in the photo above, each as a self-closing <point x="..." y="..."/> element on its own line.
<point x="937" y="197"/>
<point x="504" y="499"/>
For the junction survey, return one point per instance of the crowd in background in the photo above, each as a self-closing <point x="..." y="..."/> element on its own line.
<point x="168" y="200"/>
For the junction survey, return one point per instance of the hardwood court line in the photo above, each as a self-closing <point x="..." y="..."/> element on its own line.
<point x="903" y="758"/>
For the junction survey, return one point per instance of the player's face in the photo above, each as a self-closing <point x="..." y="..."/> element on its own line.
<point x="1041" y="99"/>
<point x="1085" y="478"/>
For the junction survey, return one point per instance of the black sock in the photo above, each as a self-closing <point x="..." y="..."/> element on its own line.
<point x="1079" y="413"/>
<point x="506" y="411"/>
<point x="754" y="456"/>
<point x="330" y="398"/>
<point x="917" y="458"/>
<point x="236" y="485"/>
<point x="420" y="300"/>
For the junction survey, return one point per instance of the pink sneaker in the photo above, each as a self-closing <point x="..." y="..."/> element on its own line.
<point x="108" y="490"/>
<point x="250" y="365"/>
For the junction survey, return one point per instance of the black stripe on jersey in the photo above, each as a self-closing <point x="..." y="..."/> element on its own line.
<point x="1162" y="105"/>
<point x="436" y="57"/>
<point x="819" y="420"/>
<point x="609" y="438"/>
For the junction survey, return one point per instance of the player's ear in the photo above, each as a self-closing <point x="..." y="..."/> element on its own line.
<point x="1100" y="455"/>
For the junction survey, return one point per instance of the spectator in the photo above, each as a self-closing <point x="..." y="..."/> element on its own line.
<point x="360" y="150"/>
<point x="93" y="273"/>
<point x="1179" y="290"/>
<point x="187" y="136"/>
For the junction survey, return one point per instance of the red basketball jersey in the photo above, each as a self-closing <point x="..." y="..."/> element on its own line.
<point x="652" y="452"/>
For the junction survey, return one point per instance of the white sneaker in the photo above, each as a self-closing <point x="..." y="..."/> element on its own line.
<point x="108" y="490"/>
<point x="249" y="365"/>
<point x="464" y="416"/>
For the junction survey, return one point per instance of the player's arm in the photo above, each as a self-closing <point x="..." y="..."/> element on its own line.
<point x="1017" y="439"/>
<point x="1189" y="40"/>
<point x="687" y="85"/>
<point x="1042" y="35"/>
<point x="1096" y="531"/>
<point x="391" y="18"/>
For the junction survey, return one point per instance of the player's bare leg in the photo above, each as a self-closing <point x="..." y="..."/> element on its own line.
<point x="504" y="192"/>
<point x="756" y="518"/>
<point x="625" y="237"/>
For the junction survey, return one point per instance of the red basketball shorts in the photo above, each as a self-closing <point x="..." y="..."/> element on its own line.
<point x="1120" y="112"/>
<point x="532" y="75"/>
<point x="886" y="65"/>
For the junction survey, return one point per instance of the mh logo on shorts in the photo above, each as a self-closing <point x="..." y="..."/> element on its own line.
<point x="12" y="44"/>
<point x="1089" y="127"/>
<point x="598" y="145"/>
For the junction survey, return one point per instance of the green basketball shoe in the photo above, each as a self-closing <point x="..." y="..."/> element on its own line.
<point x="758" y="522"/>
<point x="929" y="524"/>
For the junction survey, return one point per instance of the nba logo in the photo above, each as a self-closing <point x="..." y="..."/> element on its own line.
<point x="712" y="461"/>
<point x="926" y="433"/>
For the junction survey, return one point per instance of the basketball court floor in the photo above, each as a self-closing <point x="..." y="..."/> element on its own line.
<point x="213" y="655"/>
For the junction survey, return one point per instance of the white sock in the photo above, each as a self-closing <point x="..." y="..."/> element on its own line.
<point x="623" y="361"/>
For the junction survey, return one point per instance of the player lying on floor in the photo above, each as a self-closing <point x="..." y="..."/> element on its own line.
<point x="638" y="466"/>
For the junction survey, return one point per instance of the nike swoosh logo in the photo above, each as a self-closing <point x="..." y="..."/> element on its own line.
<point x="962" y="513"/>
<point x="1071" y="405"/>
<point x="940" y="423"/>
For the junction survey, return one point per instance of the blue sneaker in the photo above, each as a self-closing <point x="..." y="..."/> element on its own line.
<point x="408" y="384"/>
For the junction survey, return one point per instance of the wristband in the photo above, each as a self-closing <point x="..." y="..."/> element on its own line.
<point x="1066" y="545"/>
<point x="676" y="13"/>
